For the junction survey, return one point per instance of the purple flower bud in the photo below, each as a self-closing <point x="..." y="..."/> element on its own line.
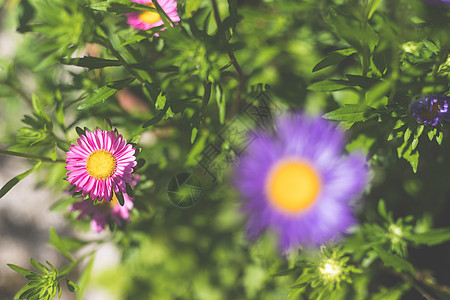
<point x="430" y="110"/>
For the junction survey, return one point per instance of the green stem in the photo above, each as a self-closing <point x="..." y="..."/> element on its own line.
<point x="237" y="67"/>
<point x="124" y="63"/>
<point x="31" y="156"/>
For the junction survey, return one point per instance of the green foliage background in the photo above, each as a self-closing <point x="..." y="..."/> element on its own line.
<point x="358" y="62"/>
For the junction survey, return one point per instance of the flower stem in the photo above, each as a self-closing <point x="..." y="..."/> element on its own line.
<point x="234" y="62"/>
<point x="31" y="156"/>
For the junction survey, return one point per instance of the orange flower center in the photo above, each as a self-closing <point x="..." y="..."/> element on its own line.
<point x="292" y="185"/>
<point x="149" y="17"/>
<point x="101" y="164"/>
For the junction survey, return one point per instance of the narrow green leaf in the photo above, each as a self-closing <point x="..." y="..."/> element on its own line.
<point x="56" y="242"/>
<point x="91" y="62"/>
<point x="221" y="104"/>
<point x="439" y="137"/>
<point x="120" y="8"/>
<point x="84" y="279"/>
<point x="129" y="189"/>
<point x="382" y="209"/>
<point x="160" y="101"/>
<point x="373" y="5"/>
<point x="139" y="163"/>
<point x="431" y="238"/>
<point x="407" y="134"/>
<point x="432" y="133"/>
<point x="330" y="85"/>
<point x="63" y="145"/>
<point x="192" y="6"/>
<point x="20" y="270"/>
<point x="37" y="107"/>
<point x="333" y="58"/>
<point x="194" y="134"/>
<point x="80" y="131"/>
<point x="362" y="81"/>
<point x="36" y="265"/>
<point x="394" y="261"/>
<point x="10" y="184"/>
<point x="106" y="91"/>
<point x="72" y="286"/>
<point x="351" y="113"/>
<point x="119" y="196"/>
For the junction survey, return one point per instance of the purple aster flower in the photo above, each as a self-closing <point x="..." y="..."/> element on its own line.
<point x="430" y="110"/>
<point x="297" y="182"/>
<point x="102" y="212"/>
<point x="438" y="2"/>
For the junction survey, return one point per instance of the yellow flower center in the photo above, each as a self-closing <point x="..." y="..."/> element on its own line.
<point x="107" y="206"/>
<point x="101" y="164"/>
<point x="292" y="185"/>
<point x="149" y="17"/>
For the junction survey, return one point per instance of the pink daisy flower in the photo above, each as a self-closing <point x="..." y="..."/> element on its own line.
<point x="145" y="20"/>
<point x="102" y="212"/>
<point x="100" y="163"/>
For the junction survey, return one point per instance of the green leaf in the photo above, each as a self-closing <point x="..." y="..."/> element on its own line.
<point x="119" y="196"/>
<point x="63" y="145"/>
<point x="431" y="238"/>
<point x="362" y="81"/>
<point x="382" y="209"/>
<point x="10" y="184"/>
<point x="84" y="279"/>
<point x="160" y="101"/>
<point x="80" y="131"/>
<point x="376" y="96"/>
<point x="351" y="113"/>
<point x="37" y="108"/>
<point x="37" y="266"/>
<point x="407" y="152"/>
<point x="72" y="286"/>
<point x="394" y="261"/>
<point x="20" y="270"/>
<point x="393" y="293"/>
<point x="333" y="58"/>
<point x="407" y="134"/>
<point x="120" y="8"/>
<point x="373" y="5"/>
<point x="439" y="137"/>
<point x="432" y="133"/>
<point x="56" y="242"/>
<point x="92" y="62"/>
<point x="193" y="134"/>
<point x="106" y="91"/>
<point x="129" y="190"/>
<point x="221" y="104"/>
<point x="135" y="139"/>
<point x="329" y="85"/>
<point x="192" y="6"/>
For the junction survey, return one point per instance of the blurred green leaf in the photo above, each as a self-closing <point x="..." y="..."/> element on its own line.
<point x="91" y="62"/>
<point x="10" y="184"/>
<point x="391" y="260"/>
<point x="56" y="242"/>
<point x="333" y="58"/>
<point x="103" y="93"/>
<point x="351" y="113"/>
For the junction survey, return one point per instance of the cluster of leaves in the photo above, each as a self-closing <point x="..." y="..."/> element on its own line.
<point x="46" y="284"/>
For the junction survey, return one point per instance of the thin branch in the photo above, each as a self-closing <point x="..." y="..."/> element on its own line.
<point x="124" y="63"/>
<point x="31" y="156"/>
